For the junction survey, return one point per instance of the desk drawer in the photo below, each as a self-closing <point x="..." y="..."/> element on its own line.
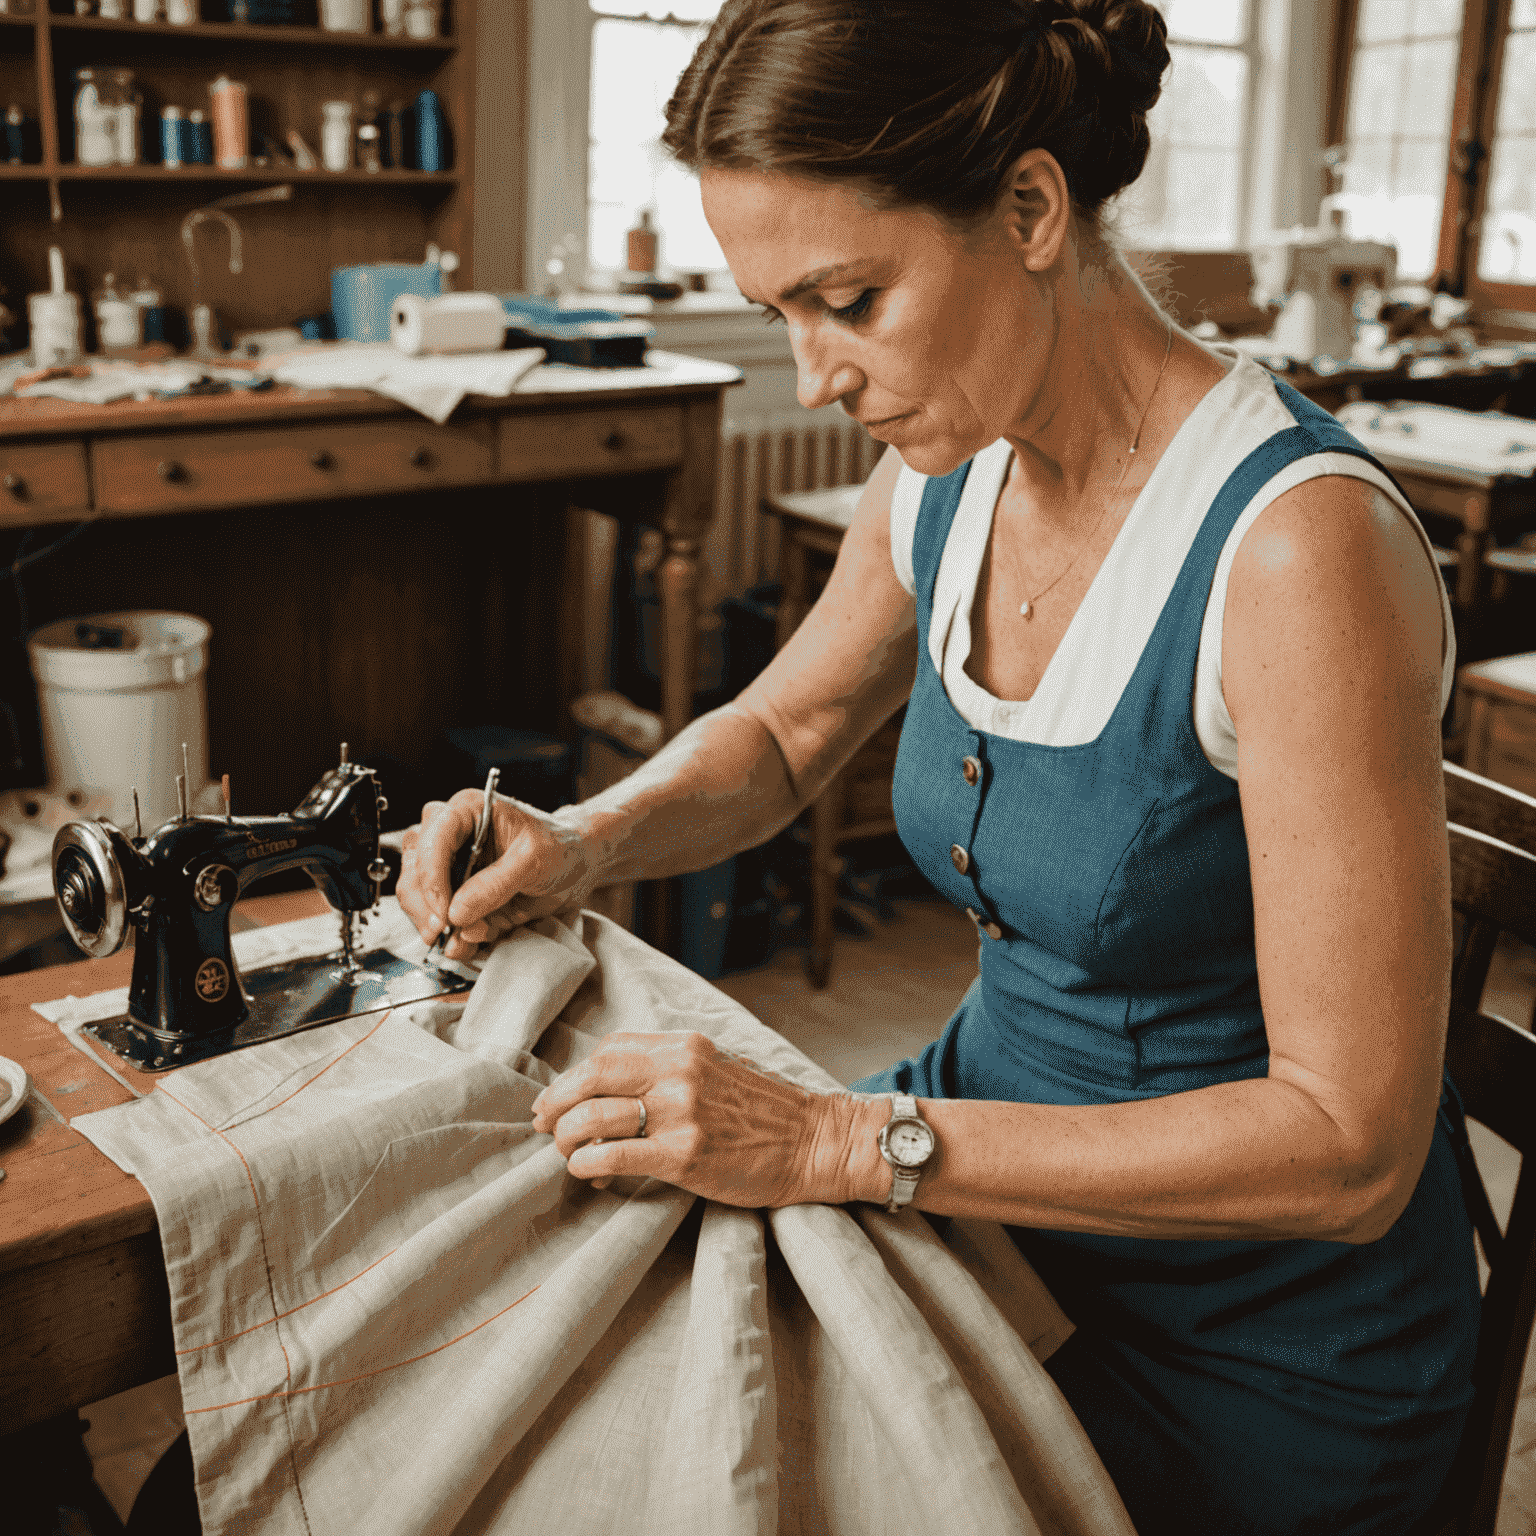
<point x="611" y="442"/>
<point x="230" y="469"/>
<point x="42" y="482"/>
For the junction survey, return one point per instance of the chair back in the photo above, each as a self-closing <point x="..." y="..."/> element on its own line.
<point x="1492" y="833"/>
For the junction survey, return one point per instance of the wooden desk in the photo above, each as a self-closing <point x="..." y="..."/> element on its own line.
<point x="84" y="1306"/>
<point x="369" y="576"/>
<point x="857" y="803"/>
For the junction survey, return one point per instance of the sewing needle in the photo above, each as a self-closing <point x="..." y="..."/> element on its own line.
<point x="477" y="848"/>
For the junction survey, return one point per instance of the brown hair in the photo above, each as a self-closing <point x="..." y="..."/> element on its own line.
<point x="925" y="103"/>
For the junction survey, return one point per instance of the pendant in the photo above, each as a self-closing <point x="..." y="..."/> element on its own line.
<point x="1024" y="608"/>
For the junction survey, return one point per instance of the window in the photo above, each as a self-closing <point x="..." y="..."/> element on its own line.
<point x="1439" y="134"/>
<point x="1507" y="237"/>
<point x="1398" y="134"/>
<point x="1193" y="194"/>
<point x="1224" y="166"/>
<point x="638" y="52"/>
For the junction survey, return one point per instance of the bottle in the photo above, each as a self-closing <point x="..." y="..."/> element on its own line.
<point x="181" y="13"/>
<point x="421" y="18"/>
<point x="368" y="147"/>
<point x="201" y="133"/>
<point x="151" y="307"/>
<point x="54" y="318"/>
<point x="124" y="102"/>
<point x="170" y="137"/>
<point x="15" y="135"/>
<point x="431" y="133"/>
<point x="336" y="136"/>
<point x="643" y="245"/>
<point x="119" y="321"/>
<point x="95" y="124"/>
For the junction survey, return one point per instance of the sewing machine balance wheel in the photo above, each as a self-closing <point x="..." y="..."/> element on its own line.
<point x="89" y="883"/>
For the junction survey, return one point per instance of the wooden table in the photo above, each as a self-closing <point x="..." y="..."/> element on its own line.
<point x="370" y="576"/>
<point x="1501" y="720"/>
<point x="84" y="1306"/>
<point x="857" y="803"/>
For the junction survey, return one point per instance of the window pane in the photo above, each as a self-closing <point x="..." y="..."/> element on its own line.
<point x="1437" y="18"/>
<point x="1393" y="191"/>
<point x="1507" y="247"/>
<point x="1380" y="20"/>
<point x="1207" y="21"/>
<point x="1204" y="98"/>
<point x="635" y="66"/>
<point x="1376" y="90"/>
<point x="1523" y="14"/>
<point x="1517" y="93"/>
<point x="1431" y="93"/>
<point x="684" y="10"/>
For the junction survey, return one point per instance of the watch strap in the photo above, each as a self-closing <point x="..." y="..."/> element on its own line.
<point x="903" y="1180"/>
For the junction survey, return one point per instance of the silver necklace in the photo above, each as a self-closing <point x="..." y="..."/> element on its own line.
<point x="1026" y="608"/>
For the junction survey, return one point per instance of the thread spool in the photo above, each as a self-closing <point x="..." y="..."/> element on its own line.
<point x="231" y="124"/>
<point x="454" y="322"/>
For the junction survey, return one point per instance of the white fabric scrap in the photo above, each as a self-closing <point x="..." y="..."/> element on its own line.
<point x="1484" y="442"/>
<point x="395" y="1311"/>
<point x="431" y="385"/>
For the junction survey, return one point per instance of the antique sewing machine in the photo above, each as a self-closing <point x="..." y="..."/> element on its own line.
<point x="177" y="887"/>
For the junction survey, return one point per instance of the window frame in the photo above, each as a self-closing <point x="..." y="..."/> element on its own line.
<point x="1474" y="107"/>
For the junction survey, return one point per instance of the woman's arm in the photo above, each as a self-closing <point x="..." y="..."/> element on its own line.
<point x="1331" y="652"/>
<point x="729" y="781"/>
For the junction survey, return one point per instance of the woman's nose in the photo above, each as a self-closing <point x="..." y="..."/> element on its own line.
<point x="822" y="377"/>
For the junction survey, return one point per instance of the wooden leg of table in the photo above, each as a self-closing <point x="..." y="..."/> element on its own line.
<point x="826" y="817"/>
<point x="1470" y="548"/>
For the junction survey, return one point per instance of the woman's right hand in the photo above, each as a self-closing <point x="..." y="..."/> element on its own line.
<point x="541" y="865"/>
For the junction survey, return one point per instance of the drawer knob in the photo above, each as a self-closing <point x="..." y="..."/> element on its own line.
<point x="171" y="472"/>
<point x="614" y="441"/>
<point x="321" y="459"/>
<point x="421" y="458"/>
<point x="16" y="486"/>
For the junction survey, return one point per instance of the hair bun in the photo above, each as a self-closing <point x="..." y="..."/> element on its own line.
<point x="1126" y="39"/>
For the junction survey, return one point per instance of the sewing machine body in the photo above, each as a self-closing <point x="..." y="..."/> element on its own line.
<point x="178" y="887"/>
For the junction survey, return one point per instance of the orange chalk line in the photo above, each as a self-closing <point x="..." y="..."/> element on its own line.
<point x="229" y="1338"/>
<point x="347" y="1381"/>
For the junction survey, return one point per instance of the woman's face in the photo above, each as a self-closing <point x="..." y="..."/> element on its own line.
<point x="937" y="341"/>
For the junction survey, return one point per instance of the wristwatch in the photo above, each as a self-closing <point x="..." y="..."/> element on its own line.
<point x="906" y="1143"/>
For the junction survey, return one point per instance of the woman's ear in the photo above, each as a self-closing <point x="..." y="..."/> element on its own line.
<point x="1038" y="209"/>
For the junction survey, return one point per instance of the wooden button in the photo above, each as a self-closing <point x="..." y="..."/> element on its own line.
<point x="970" y="769"/>
<point x="992" y="930"/>
<point x="959" y="858"/>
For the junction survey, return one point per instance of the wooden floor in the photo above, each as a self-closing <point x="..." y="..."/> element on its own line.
<point x="892" y="992"/>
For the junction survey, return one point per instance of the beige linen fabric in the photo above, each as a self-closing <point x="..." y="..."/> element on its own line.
<point x="395" y="1312"/>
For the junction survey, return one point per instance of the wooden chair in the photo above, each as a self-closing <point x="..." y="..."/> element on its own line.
<point x="1493" y="886"/>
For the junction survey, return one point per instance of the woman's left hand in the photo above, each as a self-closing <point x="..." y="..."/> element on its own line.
<point x="715" y="1125"/>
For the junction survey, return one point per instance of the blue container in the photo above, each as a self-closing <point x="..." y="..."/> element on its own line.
<point x="430" y="131"/>
<point x="361" y="297"/>
<point x="705" y="903"/>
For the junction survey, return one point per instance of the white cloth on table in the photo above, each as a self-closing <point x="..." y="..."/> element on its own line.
<point x="394" y="1310"/>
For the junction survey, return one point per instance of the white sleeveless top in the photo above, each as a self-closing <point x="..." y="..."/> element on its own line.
<point x="1097" y="655"/>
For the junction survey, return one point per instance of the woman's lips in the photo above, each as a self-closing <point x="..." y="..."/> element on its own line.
<point x="887" y="421"/>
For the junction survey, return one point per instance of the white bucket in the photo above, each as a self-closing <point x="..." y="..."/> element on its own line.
<point x="115" y="719"/>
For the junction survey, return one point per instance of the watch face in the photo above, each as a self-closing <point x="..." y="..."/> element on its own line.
<point x="910" y="1142"/>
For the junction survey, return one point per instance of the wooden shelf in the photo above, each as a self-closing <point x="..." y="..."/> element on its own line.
<point x="23" y="173"/>
<point x="250" y="173"/>
<point x="253" y="33"/>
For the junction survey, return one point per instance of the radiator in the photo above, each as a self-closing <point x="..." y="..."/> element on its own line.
<point x="784" y="451"/>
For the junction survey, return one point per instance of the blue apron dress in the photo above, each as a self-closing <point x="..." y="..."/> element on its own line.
<point x="1283" y="1388"/>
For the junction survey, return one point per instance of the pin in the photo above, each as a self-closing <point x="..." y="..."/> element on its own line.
<point x="181" y="794"/>
<point x="343" y="754"/>
<point x="224" y="784"/>
<point x="138" y="820"/>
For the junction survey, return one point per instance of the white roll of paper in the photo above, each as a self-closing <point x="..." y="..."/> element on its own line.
<point x="451" y="322"/>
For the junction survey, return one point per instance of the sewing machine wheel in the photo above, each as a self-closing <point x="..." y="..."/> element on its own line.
<point x="88" y="883"/>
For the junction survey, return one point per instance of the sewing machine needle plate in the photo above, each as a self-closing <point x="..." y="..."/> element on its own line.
<point x="284" y="999"/>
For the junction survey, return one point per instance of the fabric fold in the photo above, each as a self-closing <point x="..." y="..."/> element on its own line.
<point x="396" y="1311"/>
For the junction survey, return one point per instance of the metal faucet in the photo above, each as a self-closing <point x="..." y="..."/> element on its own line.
<point x="202" y="316"/>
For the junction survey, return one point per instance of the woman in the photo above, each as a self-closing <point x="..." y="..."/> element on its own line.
<point x="1175" y="654"/>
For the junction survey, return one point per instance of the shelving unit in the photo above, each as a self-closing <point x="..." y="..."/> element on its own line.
<point x="127" y="219"/>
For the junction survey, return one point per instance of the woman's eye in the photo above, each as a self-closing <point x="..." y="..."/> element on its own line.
<point x="771" y="315"/>
<point x="852" y="313"/>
